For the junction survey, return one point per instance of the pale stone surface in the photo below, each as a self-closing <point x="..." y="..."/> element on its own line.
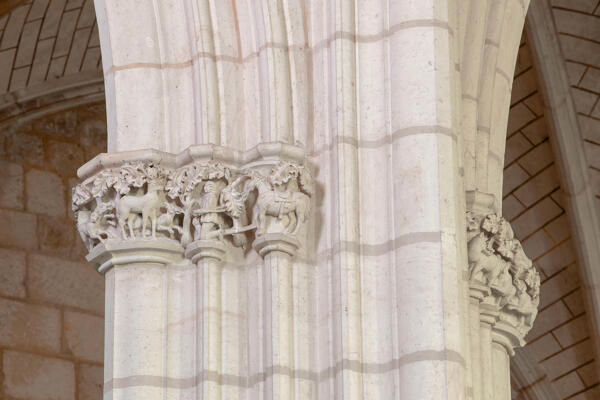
<point x="37" y="378"/>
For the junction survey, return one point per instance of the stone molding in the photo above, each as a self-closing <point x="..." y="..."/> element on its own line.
<point x="208" y="198"/>
<point x="502" y="278"/>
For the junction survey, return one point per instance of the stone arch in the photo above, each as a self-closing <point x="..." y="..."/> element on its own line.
<point x="490" y="34"/>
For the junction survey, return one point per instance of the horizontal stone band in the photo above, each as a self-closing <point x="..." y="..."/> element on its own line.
<point x="316" y="377"/>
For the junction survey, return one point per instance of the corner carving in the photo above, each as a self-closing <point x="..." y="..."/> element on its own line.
<point x="499" y="268"/>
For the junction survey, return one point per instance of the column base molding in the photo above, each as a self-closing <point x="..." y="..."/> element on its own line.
<point x="114" y="252"/>
<point x="200" y="249"/>
<point x="276" y="242"/>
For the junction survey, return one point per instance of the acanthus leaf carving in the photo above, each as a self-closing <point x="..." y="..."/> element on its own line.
<point x="498" y="262"/>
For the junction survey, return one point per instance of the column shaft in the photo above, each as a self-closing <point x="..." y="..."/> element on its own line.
<point x="474" y="333"/>
<point x="135" y="351"/>
<point x="210" y="271"/>
<point x="501" y="361"/>
<point x="487" y="366"/>
<point x="279" y="325"/>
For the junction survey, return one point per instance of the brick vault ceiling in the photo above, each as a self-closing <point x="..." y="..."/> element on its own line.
<point x="47" y="40"/>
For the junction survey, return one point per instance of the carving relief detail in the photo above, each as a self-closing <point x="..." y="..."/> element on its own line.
<point x="499" y="266"/>
<point x="199" y="201"/>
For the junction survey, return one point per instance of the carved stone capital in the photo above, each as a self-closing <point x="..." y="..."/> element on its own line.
<point x="501" y="277"/>
<point x="208" y="199"/>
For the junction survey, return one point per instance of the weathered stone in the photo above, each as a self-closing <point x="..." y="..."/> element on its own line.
<point x="29" y="326"/>
<point x="84" y="336"/>
<point x="65" y="282"/>
<point x="12" y="273"/>
<point x="24" y="147"/>
<point x="45" y="193"/>
<point x="60" y="125"/>
<point x="18" y="229"/>
<point x="90" y="381"/>
<point x="55" y="235"/>
<point x="28" y="376"/>
<point x="11" y="185"/>
<point x="65" y="158"/>
<point x="93" y="133"/>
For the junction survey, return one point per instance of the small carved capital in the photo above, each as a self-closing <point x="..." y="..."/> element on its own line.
<point x="201" y="249"/>
<point x="281" y="242"/>
<point x="501" y="275"/>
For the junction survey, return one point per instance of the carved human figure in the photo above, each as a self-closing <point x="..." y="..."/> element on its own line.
<point x="210" y="213"/>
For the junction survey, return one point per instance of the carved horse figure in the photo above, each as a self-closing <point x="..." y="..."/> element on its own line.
<point x="129" y="207"/>
<point x="289" y="206"/>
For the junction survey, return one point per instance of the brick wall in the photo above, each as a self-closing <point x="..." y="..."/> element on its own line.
<point x="43" y="40"/>
<point x="51" y="301"/>
<point x="559" y="341"/>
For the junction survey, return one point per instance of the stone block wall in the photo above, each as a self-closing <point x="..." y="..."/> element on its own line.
<point x="51" y="300"/>
<point x="559" y="342"/>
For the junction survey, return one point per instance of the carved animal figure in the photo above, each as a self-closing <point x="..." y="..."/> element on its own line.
<point x="94" y="226"/>
<point x="288" y="206"/>
<point x="166" y="223"/>
<point x="522" y="304"/>
<point x="129" y="207"/>
<point x="484" y="265"/>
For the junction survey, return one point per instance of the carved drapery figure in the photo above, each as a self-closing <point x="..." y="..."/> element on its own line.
<point x="200" y="201"/>
<point x="498" y="264"/>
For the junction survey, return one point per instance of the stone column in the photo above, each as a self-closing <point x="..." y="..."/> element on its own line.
<point x="208" y="255"/>
<point x="278" y="251"/>
<point x="118" y="209"/>
<point x="135" y="310"/>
